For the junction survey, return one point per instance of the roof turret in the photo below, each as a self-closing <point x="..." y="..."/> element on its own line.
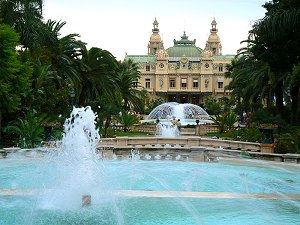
<point x="184" y="47"/>
<point x="213" y="43"/>
<point x="155" y="42"/>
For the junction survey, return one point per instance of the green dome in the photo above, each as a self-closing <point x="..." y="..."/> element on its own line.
<point x="184" y="47"/>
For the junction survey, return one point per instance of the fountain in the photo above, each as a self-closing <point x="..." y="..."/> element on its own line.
<point x="75" y="163"/>
<point x="167" y="129"/>
<point x="187" y="113"/>
<point x="70" y="185"/>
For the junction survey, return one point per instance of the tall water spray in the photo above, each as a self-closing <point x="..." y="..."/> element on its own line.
<point x="76" y="164"/>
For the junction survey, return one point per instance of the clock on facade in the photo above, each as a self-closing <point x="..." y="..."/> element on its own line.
<point x="206" y="65"/>
<point x="161" y="65"/>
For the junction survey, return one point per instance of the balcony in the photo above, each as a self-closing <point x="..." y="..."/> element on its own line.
<point x="219" y="90"/>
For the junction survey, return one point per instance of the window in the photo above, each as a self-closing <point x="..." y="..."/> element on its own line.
<point x="147" y="67"/>
<point x="220" y="84"/>
<point x="195" y="83"/>
<point x="147" y="83"/>
<point x="220" y="67"/>
<point x="183" y="82"/>
<point x="214" y="51"/>
<point x="135" y="84"/>
<point x="172" y="83"/>
<point x="154" y="50"/>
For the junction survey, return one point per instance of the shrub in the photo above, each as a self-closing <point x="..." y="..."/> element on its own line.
<point x="127" y="119"/>
<point x="250" y="134"/>
<point x="30" y="130"/>
<point x="288" y="141"/>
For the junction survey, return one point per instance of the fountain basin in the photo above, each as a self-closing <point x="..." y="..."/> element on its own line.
<point x="47" y="187"/>
<point x="155" y="192"/>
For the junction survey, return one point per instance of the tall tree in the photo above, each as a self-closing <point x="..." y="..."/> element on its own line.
<point x="274" y="44"/>
<point x="251" y="81"/>
<point x="14" y="74"/>
<point x="99" y="71"/>
<point x="62" y="53"/>
<point x="127" y="81"/>
<point x="25" y="16"/>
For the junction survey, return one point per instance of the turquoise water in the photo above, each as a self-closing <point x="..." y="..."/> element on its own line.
<point x="232" y="177"/>
<point x="154" y="211"/>
<point x="258" y="177"/>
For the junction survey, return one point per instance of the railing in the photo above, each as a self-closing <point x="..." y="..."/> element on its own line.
<point x="193" y="141"/>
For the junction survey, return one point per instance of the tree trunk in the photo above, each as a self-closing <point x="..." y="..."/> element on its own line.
<point x="279" y="98"/>
<point x="295" y="105"/>
<point x="106" y="125"/>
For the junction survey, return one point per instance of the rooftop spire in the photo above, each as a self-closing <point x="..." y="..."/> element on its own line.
<point x="214" y="26"/>
<point x="184" y="37"/>
<point x="155" y="42"/>
<point x="155" y="26"/>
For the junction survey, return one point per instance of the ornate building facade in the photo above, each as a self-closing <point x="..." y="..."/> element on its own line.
<point x="184" y="72"/>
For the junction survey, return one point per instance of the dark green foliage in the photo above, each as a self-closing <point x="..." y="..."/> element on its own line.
<point x="127" y="82"/>
<point x="14" y="74"/>
<point x="30" y="130"/>
<point x="250" y="134"/>
<point x="264" y="69"/>
<point x="212" y="106"/>
<point x="288" y="140"/>
<point x="265" y="116"/>
<point x="127" y="119"/>
<point x="62" y="72"/>
<point x="152" y="104"/>
<point x="106" y="107"/>
<point x="225" y="121"/>
<point x="25" y="17"/>
<point x="99" y="74"/>
<point x="215" y="106"/>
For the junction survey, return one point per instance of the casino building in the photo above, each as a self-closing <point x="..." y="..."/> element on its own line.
<point x="183" y="73"/>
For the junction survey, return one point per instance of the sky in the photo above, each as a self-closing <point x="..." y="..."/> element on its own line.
<point x="126" y="26"/>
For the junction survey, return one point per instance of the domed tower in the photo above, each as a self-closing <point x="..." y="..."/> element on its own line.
<point x="184" y="47"/>
<point x="213" y="43"/>
<point x="155" y="42"/>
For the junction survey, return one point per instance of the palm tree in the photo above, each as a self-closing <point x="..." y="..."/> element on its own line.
<point x="98" y="73"/>
<point x="64" y="53"/>
<point x="275" y="41"/>
<point x="127" y="81"/>
<point x="126" y="119"/>
<point x="25" y="17"/>
<point x="30" y="129"/>
<point x="57" y="69"/>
